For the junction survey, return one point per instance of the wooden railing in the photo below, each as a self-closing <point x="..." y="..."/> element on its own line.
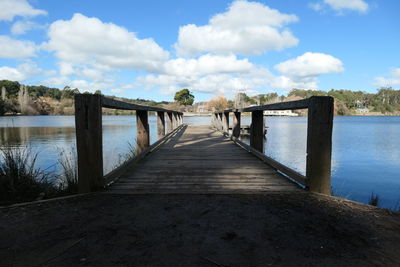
<point x="89" y="140"/>
<point x="319" y="138"/>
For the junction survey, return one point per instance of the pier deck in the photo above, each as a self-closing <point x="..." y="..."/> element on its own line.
<point x="200" y="160"/>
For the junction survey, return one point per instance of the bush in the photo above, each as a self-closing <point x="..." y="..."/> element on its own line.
<point x="20" y="180"/>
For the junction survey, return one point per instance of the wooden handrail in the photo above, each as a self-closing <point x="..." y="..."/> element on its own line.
<point x="319" y="138"/>
<point x="89" y="140"/>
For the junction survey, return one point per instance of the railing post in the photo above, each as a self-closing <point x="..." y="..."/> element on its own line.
<point x="257" y="130"/>
<point x="220" y="127"/>
<point x="160" y="123"/>
<point x="89" y="142"/>
<point x="174" y="121"/>
<point x="170" y="122"/>
<point x="225" y="122"/>
<point x="319" y="144"/>
<point x="236" y="125"/>
<point x="143" y="136"/>
<point x="214" y="117"/>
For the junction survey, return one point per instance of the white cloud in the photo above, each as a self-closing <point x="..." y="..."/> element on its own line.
<point x="303" y="71"/>
<point x="310" y="64"/>
<point x="207" y="64"/>
<point x="246" y="28"/>
<point x="22" y="26"/>
<point x="316" y="6"/>
<point x="82" y="84"/>
<point x="341" y="5"/>
<point x="208" y="73"/>
<point x="22" y="72"/>
<point x="89" y="41"/>
<point x="242" y="75"/>
<point x="11" y="8"/>
<point x="118" y="91"/>
<point x="393" y="79"/>
<point x="355" y="5"/>
<point x="12" y="74"/>
<point x="12" y="48"/>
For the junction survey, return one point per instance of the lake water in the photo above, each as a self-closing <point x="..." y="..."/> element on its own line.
<point x="365" y="157"/>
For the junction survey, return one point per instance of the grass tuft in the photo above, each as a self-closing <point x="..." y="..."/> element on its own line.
<point x="374" y="200"/>
<point x="20" y="180"/>
<point x="68" y="161"/>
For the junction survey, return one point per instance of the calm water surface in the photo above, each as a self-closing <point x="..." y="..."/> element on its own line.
<point x="365" y="160"/>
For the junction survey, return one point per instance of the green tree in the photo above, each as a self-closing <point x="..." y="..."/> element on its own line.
<point x="2" y="107"/>
<point x="12" y="88"/>
<point x="184" y="97"/>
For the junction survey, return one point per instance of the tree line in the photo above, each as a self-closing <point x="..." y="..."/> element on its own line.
<point x="16" y="98"/>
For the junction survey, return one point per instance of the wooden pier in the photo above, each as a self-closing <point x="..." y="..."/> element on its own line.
<point x="199" y="159"/>
<point x="202" y="159"/>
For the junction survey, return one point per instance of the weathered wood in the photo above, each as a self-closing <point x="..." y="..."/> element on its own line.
<point x="319" y="144"/>
<point x="290" y="105"/>
<point x="161" y="123"/>
<point x="143" y="134"/>
<point x="257" y="131"/>
<point x="220" y="122"/>
<point x="170" y="123"/>
<point x="298" y="104"/>
<point x="115" y="174"/>
<point x="116" y="104"/>
<point x="89" y="142"/>
<point x="174" y="120"/>
<point x="225" y="122"/>
<point x="189" y="163"/>
<point x="292" y="174"/>
<point x="236" y="125"/>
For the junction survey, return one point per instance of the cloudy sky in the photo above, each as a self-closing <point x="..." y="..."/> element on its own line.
<point x="150" y="49"/>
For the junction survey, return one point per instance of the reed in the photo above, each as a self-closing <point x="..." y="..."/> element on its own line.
<point x="20" y="179"/>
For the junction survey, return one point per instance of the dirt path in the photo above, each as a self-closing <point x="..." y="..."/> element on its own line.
<point x="292" y="229"/>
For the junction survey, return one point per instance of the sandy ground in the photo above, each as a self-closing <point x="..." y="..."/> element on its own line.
<point x="297" y="229"/>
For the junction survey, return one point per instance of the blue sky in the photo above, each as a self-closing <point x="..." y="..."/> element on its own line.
<point x="151" y="49"/>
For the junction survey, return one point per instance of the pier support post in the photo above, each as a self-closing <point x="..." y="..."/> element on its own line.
<point x="236" y="125"/>
<point x="214" y="118"/>
<point x="174" y="120"/>
<point x="160" y="123"/>
<point x="225" y="122"/>
<point x="319" y="144"/>
<point x="143" y="135"/>
<point x="170" y="122"/>
<point x="257" y="130"/>
<point x="89" y="142"/>
<point x="220" y="127"/>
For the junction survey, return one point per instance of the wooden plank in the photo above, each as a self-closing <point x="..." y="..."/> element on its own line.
<point x="161" y="123"/>
<point x="257" y="131"/>
<point x="225" y="122"/>
<point x="188" y="191"/>
<point x="89" y="142"/>
<point x="143" y="134"/>
<point x="112" y="176"/>
<point x="206" y="187"/>
<point x="273" y="163"/>
<point x="116" y="104"/>
<point x="170" y="122"/>
<point x="319" y="144"/>
<point x="201" y="161"/>
<point x="236" y="125"/>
